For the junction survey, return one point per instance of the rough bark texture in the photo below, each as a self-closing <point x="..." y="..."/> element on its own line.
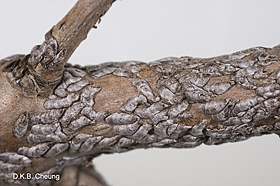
<point x="55" y="118"/>
<point x="116" y="107"/>
<point x="39" y="72"/>
<point x="74" y="27"/>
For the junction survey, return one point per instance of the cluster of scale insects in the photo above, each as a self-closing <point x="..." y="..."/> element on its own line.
<point x="152" y="118"/>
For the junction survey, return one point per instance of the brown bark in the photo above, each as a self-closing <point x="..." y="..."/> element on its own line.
<point x="59" y="119"/>
<point x="27" y="80"/>
<point x="71" y="30"/>
<point x="40" y="71"/>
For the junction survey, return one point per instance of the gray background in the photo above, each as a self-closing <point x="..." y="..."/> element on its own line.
<point x="147" y="30"/>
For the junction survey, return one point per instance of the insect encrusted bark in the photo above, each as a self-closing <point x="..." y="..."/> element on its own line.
<point x="56" y="117"/>
<point x="172" y="102"/>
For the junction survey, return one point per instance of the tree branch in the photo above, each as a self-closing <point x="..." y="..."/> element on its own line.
<point x="40" y="71"/>
<point x="117" y="107"/>
<point x="74" y="27"/>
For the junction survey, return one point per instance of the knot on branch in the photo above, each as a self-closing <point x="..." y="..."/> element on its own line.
<point x="40" y="71"/>
<point x="47" y="56"/>
<point x="46" y="63"/>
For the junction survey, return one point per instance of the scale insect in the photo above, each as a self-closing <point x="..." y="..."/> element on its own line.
<point x="57" y="149"/>
<point x="77" y="124"/>
<point x="14" y="158"/>
<point x="106" y="142"/>
<point x="87" y="96"/>
<point x="77" y="86"/>
<point x="213" y="107"/>
<point x="9" y="168"/>
<point x="89" y="143"/>
<point x="132" y="103"/>
<point x="101" y="129"/>
<point x="76" y="72"/>
<point x="21" y="125"/>
<point x="126" y="130"/>
<point x="35" y="151"/>
<point x="71" y="113"/>
<point x="69" y="79"/>
<point x="149" y="112"/>
<point x="76" y="142"/>
<point x="144" y="88"/>
<point x="61" y="103"/>
<point x="44" y="129"/>
<point x="47" y="117"/>
<point x="121" y="119"/>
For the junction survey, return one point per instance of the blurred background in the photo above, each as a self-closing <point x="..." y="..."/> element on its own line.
<point x="148" y="30"/>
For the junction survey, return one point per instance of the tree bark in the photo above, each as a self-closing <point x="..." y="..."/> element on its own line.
<point x="39" y="72"/>
<point x="56" y="117"/>
<point x="74" y="27"/>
